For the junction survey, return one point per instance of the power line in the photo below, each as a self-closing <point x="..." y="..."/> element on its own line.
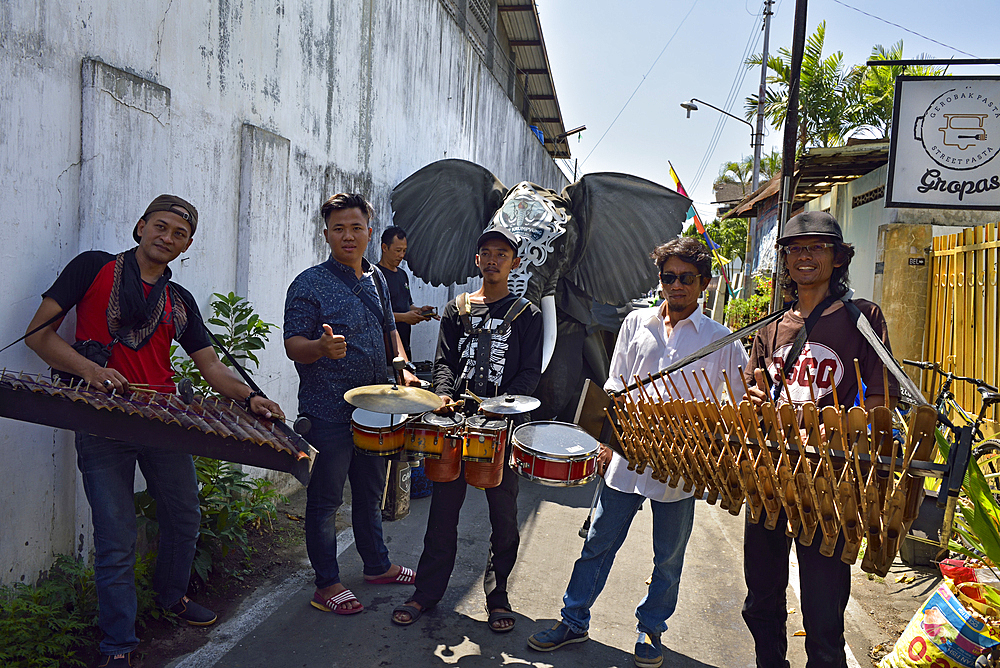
<point x="896" y="25"/>
<point x="640" y="83"/>
<point x="731" y="97"/>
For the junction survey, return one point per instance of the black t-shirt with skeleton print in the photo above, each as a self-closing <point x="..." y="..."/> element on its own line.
<point x="515" y="358"/>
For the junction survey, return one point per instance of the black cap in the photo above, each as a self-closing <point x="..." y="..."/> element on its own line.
<point x="173" y="204"/>
<point x="498" y="231"/>
<point x="811" y="224"/>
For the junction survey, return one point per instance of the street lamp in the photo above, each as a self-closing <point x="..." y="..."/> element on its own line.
<point x="690" y="106"/>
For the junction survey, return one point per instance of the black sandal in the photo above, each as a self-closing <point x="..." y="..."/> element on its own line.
<point x="413" y="611"/>
<point x="498" y="616"/>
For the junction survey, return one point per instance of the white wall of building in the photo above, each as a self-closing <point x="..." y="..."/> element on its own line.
<point x="254" y="111"/>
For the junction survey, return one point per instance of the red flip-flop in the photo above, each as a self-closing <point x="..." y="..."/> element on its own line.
<point x="405" y="576"/>
<point x="333" y="603"/>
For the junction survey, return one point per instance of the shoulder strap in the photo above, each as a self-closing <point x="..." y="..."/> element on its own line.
<point x="462" y="304"/>
<point x="800" y="341"/>
<point x="908" y="391"/>
<point x="519" y="306"/>
<point x="356" y="287"/>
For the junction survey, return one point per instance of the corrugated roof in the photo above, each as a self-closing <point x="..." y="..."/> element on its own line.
<point x="820" y="169"/>
<point x="524" y="30"/>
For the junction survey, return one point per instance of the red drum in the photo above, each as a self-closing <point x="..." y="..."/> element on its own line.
<point x="425" y="435"/>
<point x="377" y="433"/>
<point x="554" y="453"/>
<point x="448" y="466"/>
<point x="482" y="438"/>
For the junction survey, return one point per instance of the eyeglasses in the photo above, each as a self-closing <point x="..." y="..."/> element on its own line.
<point x="685" y="279"/>
<point x="812" y="249"/>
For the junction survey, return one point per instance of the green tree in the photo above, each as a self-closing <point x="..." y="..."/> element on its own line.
<point x="828" y="91"/>
<point x="730" y="234"/>
<point x="872" y="110"/>
<point x="742" y="172"/>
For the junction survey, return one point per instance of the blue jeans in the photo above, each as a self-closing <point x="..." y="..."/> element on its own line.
<point x="335" y="464"/>
<point x="108" y="469"/>
<point x="672" y="524"/>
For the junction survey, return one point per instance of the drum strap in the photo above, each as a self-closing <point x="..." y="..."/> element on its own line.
<point x="484" y="338"/>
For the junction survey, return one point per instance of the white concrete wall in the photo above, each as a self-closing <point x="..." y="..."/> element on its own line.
<point x="256" y="112"/>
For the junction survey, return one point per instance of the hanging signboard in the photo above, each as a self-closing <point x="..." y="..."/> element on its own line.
<point x="944" y="143"/>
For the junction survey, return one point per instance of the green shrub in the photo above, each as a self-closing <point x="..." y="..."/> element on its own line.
<point x="741" y="312"/>
<point x="54" y="622"/>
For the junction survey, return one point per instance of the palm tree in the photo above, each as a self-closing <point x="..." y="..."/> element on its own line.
<point x="826" y="91"/>
<point x="741" y="172"/>
<point x="872" y="111"/>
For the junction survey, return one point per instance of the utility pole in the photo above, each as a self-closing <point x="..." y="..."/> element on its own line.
<point x="790" y="139"/>
<point x="758" y="146"/>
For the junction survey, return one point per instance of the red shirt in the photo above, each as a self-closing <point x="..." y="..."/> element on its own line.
<point x="93" y="273"/>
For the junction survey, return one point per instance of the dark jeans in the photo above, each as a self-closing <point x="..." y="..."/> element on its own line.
<point x="337" y="462"/>
<point x="441" y="540"/>
<point x="108" y="469"/>
<point x="825" y="587"/>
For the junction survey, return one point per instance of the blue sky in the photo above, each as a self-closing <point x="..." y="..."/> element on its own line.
<point x="600" y="52"/>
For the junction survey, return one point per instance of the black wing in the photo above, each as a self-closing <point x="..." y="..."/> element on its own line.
<point x="443" y="208"/>
<point x="622" y="218"/>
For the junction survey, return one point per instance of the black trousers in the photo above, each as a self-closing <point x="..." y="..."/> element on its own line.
<point x="825" y="588"/>
<point x="441" y="540"/>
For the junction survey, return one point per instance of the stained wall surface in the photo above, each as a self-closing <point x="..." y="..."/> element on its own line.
<point x="255" y="111"/>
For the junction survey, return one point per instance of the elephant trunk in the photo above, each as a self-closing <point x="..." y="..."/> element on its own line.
<point x="549" y="327"/>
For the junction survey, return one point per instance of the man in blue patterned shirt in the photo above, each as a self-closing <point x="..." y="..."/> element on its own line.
<point x="336" y="341"/>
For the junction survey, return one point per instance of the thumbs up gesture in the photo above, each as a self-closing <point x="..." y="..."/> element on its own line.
<point x="332" y="345"/>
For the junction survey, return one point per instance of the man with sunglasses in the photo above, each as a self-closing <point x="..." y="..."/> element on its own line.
<point x="649" y="340"/>
<point x="817" y="261"/>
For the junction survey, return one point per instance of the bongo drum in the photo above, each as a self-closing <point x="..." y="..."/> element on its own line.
<point x="554" y="453"/>
<point x="425" y="435"/>
<point x="377" y="433"/>
<point x="488" y="474"/>
<point x="482" y="436"/>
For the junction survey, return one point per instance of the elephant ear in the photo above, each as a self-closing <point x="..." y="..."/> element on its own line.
<point x="443" y="208"/>
<point x="622" y="218"/>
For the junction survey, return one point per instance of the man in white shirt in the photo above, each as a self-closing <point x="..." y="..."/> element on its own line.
<point x="649" y="340"/>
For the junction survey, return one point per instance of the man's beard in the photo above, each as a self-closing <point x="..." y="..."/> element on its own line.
<point x="676" y="308"/>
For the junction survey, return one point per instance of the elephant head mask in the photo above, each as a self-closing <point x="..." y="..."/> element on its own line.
<point x="586" y="246"/>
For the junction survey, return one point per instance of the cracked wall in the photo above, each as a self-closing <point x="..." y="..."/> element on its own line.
<point x="256" y="111"/>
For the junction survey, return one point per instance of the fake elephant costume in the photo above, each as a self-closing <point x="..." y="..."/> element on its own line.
<point x="584" y="254"/>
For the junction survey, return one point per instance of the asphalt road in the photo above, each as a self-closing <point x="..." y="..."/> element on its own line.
<point x="279" y="628"/>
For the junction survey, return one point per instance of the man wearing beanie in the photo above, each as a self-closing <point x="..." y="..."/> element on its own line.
<point x="127" y="313"/>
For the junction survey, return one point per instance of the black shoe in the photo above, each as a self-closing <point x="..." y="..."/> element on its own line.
<point x="116" y="661"/>
<point x="192" y="613"/>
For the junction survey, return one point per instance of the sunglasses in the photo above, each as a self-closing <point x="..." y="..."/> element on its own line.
<point x="685" y="279"/>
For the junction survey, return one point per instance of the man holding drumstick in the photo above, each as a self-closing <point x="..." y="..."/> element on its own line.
<point x="127" y="313"/>
<point x="650" y="340"/>
<point x="336" y="316"/>
<point x="501" y="355"/>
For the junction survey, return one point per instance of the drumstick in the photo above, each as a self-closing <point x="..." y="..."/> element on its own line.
<point x="585" y="529"/>
<point x="861" y="384"/>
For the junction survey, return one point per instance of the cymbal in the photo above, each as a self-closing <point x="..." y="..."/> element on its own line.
<point x="392" y="399"/>
<point x="510" y="404"/>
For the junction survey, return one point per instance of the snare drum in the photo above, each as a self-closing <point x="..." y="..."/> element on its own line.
<point x="425" y="435"/>
<point x="482" y="436"/>
<point x="554" y="453"/>
<point x="377" y="433"/>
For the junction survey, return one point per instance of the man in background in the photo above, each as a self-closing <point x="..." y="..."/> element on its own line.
<point x="405" y="313"/>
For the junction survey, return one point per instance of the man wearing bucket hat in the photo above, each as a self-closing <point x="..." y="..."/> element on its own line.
<point x="490" y="343"/>
<point x="817" y="260"/>
<point x="127" y="313"/>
